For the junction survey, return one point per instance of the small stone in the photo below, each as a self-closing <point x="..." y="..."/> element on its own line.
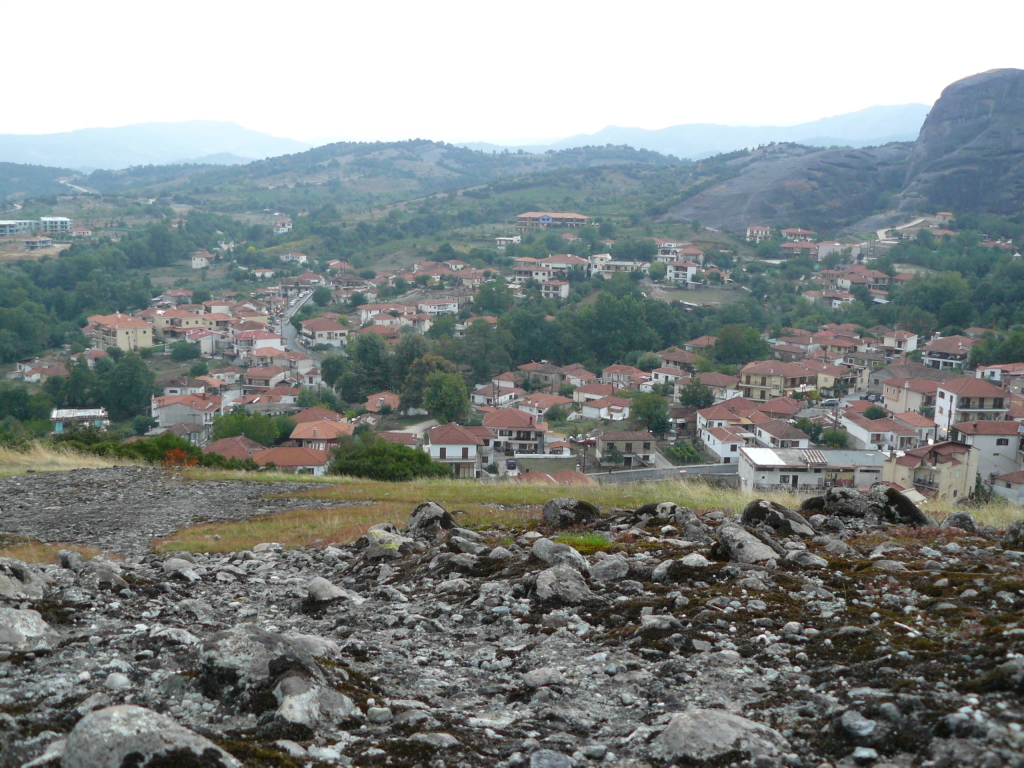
<point x="542" y="677"/>
<point x="856" y="725"/>
<point x="548" y="758"/>
<point x="379" y="715"/>
<point x="864" y="755"/>
<point x="116" y="681"/>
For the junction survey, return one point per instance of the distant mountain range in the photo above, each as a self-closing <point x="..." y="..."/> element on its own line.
<point x="193" y="141"/>
<point x="866" y="127"/>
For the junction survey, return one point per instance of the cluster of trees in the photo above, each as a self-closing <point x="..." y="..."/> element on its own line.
<point x="121" y="383"/>
<point x="265" y="430"/>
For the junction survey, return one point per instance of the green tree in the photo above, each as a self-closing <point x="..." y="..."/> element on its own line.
<point x="128" y="387"/>
<point x="657" y="271"/>
<point x="445" y="397"/>
<point x="265" y="430"/>
<point x="369" y="456"/>
<point x="331" y="368"/>
<point x="493" y="298"/>
<point x="648" y="361"/>
<point x="370" y="360"/>
<point x="812" y="429"/>
<point x="442" y="327"/>
<point x="739" y="344"/>
<point x="198" y="369"/>
<point x="681" y="452"/>
<point x="142" y="423"/>
<point x="651" y="410"/>
<point x="875" y="412"/>
<point x="322" y="296"/>
<point x="416" y="378"/>
<point x="182" y="351"/>
<point x="407" y="350"/>
<point x="695" y="394"/>
<point x="834" y="438"/>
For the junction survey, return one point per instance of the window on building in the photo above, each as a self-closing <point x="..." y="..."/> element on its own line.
<point x="442" y="453"/>
<point x="465" y="453"/>
<point x="783" y="479"/>
<point x="1003" y="441"/>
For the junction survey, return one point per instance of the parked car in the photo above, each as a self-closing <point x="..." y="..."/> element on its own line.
<point x="830" y="403"/>
<point x="510" y="464"/>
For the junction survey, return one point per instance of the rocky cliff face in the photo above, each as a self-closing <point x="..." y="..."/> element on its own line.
<point x="970" y="154"/>
<point x="789" y="183"/>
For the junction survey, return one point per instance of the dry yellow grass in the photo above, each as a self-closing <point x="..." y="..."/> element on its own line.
<point x="43" y="458"/>
<point x="36" y="552"/>
<point x="363" y="503"/>
<point x="320" y="527"/>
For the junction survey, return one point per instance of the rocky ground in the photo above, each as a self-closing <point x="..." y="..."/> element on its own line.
<point x="855" y="632"/>
<point x="121" y="509"/>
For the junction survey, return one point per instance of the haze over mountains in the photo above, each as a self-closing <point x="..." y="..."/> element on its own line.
<point x="866" y="127"/>
<point x="226" y="143"/>
<point x="197" y="141"/>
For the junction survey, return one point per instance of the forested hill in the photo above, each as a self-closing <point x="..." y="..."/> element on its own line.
<point x="360" y="171"/>
<point x="23" y="181"/>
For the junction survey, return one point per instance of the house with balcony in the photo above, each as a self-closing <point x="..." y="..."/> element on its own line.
<point x="624" y="376"/>
<point x="323" y="330"/>
<point x="495" y="396"/>
<point x="944" y="471"/>
<point x="909" y="395"/>
<point x="594" y="391"/>
<point x="998" y="444"/>
<point x="1010" y="487"/>
<point x="321" y="435"/>
<point x="681" y="273"/>
<point x="888" y="434"/>
<point x="1000" y="373"/>
<point x="455" y="446"/>
<point x="766" y="379"/>
<point x="967" y="399"/>
<point x="261" y="379"/>
<point x="948" y="352"/>
<point x="798" y="235"/>
<point x="539" y="403"/>
<point x="776" y="433"/>
<point x="544" y="219"/>
<point x="122" y="331"/>
<point x="757" y="233"/>
<point x="514" y="431"/>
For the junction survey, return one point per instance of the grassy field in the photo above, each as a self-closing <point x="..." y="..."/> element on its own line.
<point x="500" y="505"/>
<point x="40" y="458"/>
<point x="343" y="508"/>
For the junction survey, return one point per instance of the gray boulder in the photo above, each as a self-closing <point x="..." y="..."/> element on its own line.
<point x="778" y="518"/>
<point x="320" y="590"/>
<point x="382" y="544"/>
<point x="741" y="546"/>
<point x="304" y="706"/>
<point x="242" y="664"/>
<point x="428" y="520"/>
<point x="962" y="520"/>
<point x="127" y="735"/>
<point x="566" y="513"/>
<point x="714" y="736"/>
<point x="881" y="504"/>
<point x="97" y="576"/>
<point x="21" y="581"/>
<point x="564" y="585"/>
<point x="25" y="632"/>
<point x="1014" y="536"/>
<point x="559" y="554"/>
<point x="611" y="568"/>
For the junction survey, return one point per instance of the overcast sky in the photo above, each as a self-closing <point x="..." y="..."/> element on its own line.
<point x="460" y="71"/>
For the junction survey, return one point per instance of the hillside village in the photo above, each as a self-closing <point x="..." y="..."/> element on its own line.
<point x="841" y="405"/>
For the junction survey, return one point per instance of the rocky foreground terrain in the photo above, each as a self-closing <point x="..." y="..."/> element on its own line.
<point x="853" y="632"/>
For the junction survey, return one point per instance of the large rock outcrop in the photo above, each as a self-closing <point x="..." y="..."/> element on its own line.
<point x="788" y="182"/>
<point x="970" y="154"/>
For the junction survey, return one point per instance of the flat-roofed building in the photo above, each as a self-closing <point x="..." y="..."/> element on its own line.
<point x="795" y="469"/>
<point x="544" y="219"/>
